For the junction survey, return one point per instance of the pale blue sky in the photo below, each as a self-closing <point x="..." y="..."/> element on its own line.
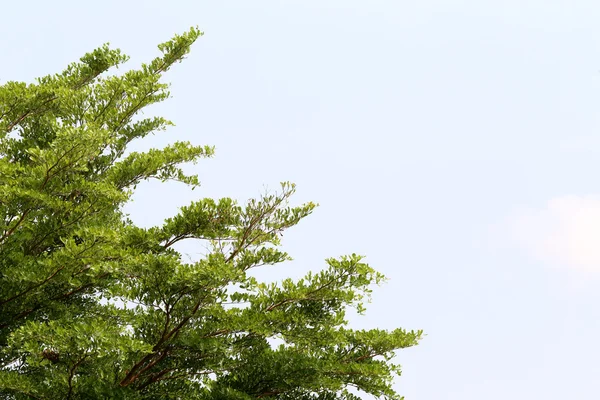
<point x="441" y="139"/>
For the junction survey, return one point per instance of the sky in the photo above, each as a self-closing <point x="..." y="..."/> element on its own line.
<point x="453" y="143"/>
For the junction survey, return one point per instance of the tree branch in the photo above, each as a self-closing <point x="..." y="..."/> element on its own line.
<point x="32" y="287"/>
<point x="71" y="375"/>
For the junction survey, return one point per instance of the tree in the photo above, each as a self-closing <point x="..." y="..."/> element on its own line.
<point x="93" y="306"/>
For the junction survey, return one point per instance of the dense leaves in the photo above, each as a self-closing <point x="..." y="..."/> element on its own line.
<point x="92" y="306"/>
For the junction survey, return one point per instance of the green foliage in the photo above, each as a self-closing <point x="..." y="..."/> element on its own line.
<point x="92" y="306"/>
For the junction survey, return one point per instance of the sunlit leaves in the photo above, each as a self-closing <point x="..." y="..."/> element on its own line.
<point x="92" y="306"/>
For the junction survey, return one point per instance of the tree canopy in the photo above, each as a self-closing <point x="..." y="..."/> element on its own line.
<point x="94" y="307"/>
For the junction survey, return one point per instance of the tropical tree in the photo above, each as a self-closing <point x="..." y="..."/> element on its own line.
<point x="94" y="307"/>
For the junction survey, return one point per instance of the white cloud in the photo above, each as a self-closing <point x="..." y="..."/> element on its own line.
<point x="566" y="232"/>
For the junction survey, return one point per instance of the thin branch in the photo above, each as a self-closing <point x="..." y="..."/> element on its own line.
<point x="32" y="287"/>
<point x="12" y="230"/>
<point x="29" y="112"/>
<point x="72" y="375"/>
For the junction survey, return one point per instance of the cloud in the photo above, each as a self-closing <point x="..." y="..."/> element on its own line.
<point x="565" y="232"/>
